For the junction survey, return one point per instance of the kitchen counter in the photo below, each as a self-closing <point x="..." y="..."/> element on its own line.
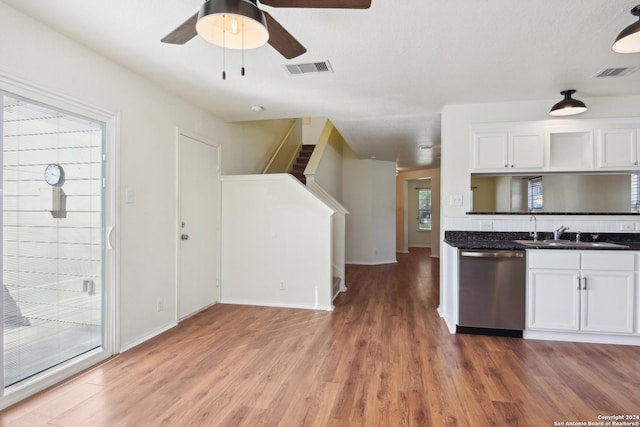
<point x="480" y="240"/>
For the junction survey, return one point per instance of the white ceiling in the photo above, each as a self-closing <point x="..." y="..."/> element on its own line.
<point x="395" y="65"/>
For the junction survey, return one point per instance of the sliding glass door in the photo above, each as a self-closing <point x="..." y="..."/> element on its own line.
<point x="52" y="228"/>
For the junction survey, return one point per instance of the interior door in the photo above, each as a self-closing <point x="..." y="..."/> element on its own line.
<point x="198" y="194"/>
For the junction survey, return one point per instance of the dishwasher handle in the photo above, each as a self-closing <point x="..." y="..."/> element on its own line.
<point x="498" y="254"/>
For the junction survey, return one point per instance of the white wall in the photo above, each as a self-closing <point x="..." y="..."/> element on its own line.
<point x="311" y="129"/>
<point x="149" y="117"/>
<point x="288" y="261"/>
<point x="369" y="196"/>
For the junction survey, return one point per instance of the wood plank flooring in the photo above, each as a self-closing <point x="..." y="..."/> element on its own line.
<point x="382" y="358"/>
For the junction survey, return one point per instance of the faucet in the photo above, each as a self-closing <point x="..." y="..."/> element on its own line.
<point x="535" y="228"/>
<point x="558" y="233"/>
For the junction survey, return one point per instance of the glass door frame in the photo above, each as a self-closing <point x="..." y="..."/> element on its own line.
<point x="109" y="232"/>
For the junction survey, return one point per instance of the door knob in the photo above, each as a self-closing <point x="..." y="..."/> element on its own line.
<point x="184" y="237"/>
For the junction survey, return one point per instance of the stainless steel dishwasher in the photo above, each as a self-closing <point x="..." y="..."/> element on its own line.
<point x="492" y="292"/>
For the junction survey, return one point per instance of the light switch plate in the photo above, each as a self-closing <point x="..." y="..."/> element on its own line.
<point x="455" y="200"/>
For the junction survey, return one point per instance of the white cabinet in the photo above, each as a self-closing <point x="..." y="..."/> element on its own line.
<point x="502" y="150"/>
<point x="553" y="300"/>
<point x="607" y="303"/>
<point x="588" y="291"/>
<point x="618" y="148"/>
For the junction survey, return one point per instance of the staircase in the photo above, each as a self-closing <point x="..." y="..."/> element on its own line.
<point x="300" y="164"/>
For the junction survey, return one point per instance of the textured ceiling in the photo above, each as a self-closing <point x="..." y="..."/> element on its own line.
<point x="395" y="65"/>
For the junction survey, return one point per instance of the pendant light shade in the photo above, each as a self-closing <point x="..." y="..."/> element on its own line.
<point x="568" y="106"/>
<point x="234" y="24"/>
<point x="628" y="41"/>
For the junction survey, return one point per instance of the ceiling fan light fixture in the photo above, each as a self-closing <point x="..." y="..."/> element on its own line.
<point x="568" y="106"/>
<point x="233" y="24"/>
<point x="628" y="41"/>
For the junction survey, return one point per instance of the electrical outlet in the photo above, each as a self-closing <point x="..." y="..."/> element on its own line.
<point x="282" y="285"/>
<point x="160" y="305"/>
<point x="627" y="226"/>
<point x="486" y="226"/>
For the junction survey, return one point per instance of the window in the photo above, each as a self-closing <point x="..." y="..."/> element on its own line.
<point x="424" y="209"/>
<point x="534" y="194"/>
<point x="52" y="246"/>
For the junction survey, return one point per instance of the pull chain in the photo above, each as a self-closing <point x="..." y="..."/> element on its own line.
<point x="224" y="32"/>
<point x="242" y="70"/>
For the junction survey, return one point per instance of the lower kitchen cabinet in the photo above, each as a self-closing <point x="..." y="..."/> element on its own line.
<point x="553" y="300"/>
<point x="581" y="291"/>
<point x="607" y="303"/>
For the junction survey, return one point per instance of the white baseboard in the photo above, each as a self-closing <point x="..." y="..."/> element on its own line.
<point x="278" y="304"/>
<point x="450" y="325"/>
<point x="147" y="337"/>
<point x="582" y="337"/>
<point x="371" y="262"/>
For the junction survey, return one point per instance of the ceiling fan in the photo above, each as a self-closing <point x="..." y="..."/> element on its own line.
<point x="267" y="27"/>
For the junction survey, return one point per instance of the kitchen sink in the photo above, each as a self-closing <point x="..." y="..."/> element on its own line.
<point x="599" y="245"/>
<point x="569" y="244"/>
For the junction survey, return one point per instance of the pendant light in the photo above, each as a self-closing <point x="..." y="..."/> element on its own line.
<point x="233" y="24"/>
<point x="628" y="41"/>
<point x="568" y="106"/>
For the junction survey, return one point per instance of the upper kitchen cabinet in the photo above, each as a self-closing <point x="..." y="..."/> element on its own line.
<point x="618" y="148"/>
<point x="567" y="145"/>
<point x="504" y="151"/>
<point x="570" y="149"/>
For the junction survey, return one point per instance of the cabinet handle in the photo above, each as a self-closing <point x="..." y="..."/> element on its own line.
<point x="578" y="282"/>
<point x="506" y="166"/>
<point x="584" y="283"/>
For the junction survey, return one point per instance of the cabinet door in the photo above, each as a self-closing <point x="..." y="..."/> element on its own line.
<point x="526" y="150"/>
<point x="607" y="301"/>
<point x="553" y="300"/>
<point x="618" y="148"/>
<point x="490" y="150"/>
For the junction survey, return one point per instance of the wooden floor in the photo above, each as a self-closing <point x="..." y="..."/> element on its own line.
<point x="382" y="358"/>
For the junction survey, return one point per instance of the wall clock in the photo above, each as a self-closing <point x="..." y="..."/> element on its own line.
<point x="54" y="175"/>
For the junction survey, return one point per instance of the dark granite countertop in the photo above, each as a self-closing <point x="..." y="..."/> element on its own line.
<point x="481" y="240"/>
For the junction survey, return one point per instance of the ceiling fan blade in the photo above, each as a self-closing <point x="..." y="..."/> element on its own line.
<point x="324" y="4"/>
<point x="185" y="32"/>
<point x="282" y="40"/>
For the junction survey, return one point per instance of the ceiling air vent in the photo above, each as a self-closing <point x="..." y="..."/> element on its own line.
<point x="616" y="72"/>
<point x="310" y="67"/>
